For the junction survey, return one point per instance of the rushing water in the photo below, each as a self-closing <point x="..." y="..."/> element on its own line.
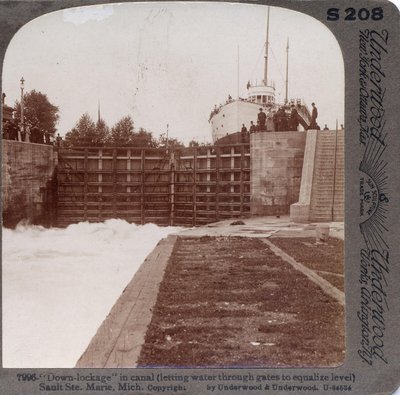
<point x="59" y="285"/>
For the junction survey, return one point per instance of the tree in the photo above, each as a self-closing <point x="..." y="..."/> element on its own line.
<point x="122" y="133"/>
<point x="194" y="143"/>
<point x="38" y="111"/>
<point x="163" y="142"/>
<point x="102" y="132"/>
<point x="85" y="133"/>
<point x="142" y="138"/>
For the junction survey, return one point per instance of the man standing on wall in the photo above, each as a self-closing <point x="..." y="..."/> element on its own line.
<point x="261" y="119"/>
<point x="252" y="127"/>
<point x="314" y="116"/>
<point x="294" y="119"/>
<point x="243" y="133"/>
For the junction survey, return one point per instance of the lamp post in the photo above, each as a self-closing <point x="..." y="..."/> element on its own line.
<point x="22" y="129"/>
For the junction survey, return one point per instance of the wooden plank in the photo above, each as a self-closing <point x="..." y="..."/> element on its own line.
<point x="172" y="188"/>
<point x="241" y="177"/>
<point x="128" y="168"/>
<point x="114" y="181"/>
<point x="194" y="188"/>
<point x="325" y="285"/>
<point x="85" y="185"/>
<point x="232" y="172"/>
<point x="142" y="166"/>
<point x="196" y="191"/>
<point x="217" y="178"/>
<point x="100" y="179"/>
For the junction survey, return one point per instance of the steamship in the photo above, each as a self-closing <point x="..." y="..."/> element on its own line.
<point x="226" y="120"/>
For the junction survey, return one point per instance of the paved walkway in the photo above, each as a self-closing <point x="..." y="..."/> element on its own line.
<point x="264" y="227"/>
<point x="120" y="337"/>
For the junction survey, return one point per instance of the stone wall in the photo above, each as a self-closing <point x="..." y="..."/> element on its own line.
<point x="276" y="168"/>
<point x="27" y="183"/>
<point x="322" y="186"/>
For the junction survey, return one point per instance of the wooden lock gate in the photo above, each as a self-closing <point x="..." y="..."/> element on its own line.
<point x="185" y="187"/>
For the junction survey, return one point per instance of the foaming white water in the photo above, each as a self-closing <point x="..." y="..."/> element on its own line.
<point x="60" y="284"/>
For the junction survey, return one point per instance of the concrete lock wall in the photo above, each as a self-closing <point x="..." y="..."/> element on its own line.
<point x="322" y="185"/>
<point x="276" y="167"/>
<point x="27" y="182"/>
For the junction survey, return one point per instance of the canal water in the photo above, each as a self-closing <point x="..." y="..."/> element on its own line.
<point x="60" y="284"/>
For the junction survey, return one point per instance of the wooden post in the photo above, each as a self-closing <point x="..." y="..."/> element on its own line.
<point x="217" y="178"/>
<point x="194" y="201"/>
<point x="241" y="178"/>
<point x="100" y="167"/>
<point x="85" y="180"/>
<point x="100" y="187"/>
<point x="208" y="189"/>
<point x="172" y="188"/>
<point x="128" y="167"/>
<point x="114" y="178"/>
<point x="142" y="214"/>
<point x="232" y="178"/>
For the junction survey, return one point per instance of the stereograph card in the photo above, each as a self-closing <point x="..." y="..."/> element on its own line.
<point x="200" y="197"/>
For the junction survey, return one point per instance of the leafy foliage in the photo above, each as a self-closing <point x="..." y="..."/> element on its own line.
<point x="38" y="112"/>
<point x="169" y="143"/>
<point x="194" y="143"/>
<point x="87" y="133"/>
<point x="122" y="133"/>
<point x="102" y="131"/>
<point x="143" y="138"/>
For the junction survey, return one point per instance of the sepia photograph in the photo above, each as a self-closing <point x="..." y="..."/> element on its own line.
<point x="173" y="190"/>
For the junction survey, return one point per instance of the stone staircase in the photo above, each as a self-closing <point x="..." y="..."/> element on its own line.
<point x="327" y="195"/>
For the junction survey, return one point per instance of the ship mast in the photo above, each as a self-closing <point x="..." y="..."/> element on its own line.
<point x="266" y="53"/>
<point x="287" y="71"/>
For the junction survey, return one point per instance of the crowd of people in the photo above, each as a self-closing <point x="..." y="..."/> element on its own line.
<point x="28" y="134"/>
<point x="277" y="120"/>
<point x="281" y="121"/>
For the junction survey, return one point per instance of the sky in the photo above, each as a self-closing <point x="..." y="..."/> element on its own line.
<point x="170" y="63"/>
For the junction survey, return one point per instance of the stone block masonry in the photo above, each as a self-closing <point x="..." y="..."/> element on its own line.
<point x="322" y="185"/>
<point x="27" y="183"/>
<point x="276" y="167"/>
<point x="205" y="185"/>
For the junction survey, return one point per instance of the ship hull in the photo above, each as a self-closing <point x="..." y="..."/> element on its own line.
<point x="231" y="116"/>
